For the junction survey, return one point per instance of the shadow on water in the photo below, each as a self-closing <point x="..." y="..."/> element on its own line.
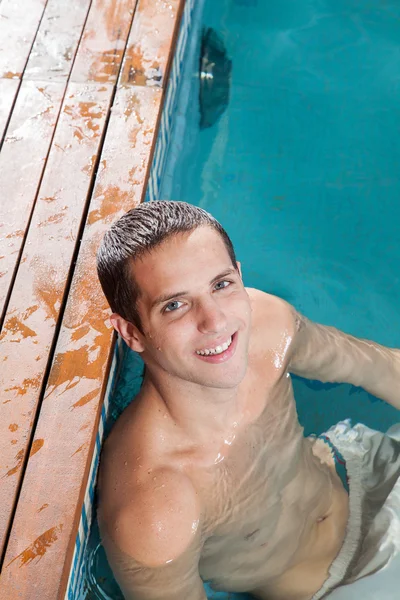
<point x="215" y="78"/>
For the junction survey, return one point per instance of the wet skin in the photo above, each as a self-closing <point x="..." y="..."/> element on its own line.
<point x="207" y="473"/>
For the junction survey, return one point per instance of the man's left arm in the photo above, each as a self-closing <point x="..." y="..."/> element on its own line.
<point x="329" y="355"/>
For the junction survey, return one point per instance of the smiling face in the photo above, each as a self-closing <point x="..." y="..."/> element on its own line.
<point x="194" y="310"/>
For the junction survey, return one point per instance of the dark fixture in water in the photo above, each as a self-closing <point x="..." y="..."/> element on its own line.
<point x="215" y="78"/>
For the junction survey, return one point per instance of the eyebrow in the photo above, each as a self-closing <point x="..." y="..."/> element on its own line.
<point x="165" y="297"/>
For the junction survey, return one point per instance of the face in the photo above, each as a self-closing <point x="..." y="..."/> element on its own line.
<point x="194" y="310"/>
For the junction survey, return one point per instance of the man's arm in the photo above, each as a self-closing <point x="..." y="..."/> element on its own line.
<point x="153" y="542"/>
<point x="327" y="354"/>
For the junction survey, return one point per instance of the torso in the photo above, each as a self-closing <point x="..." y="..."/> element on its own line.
<point x="274" y="516"/>
<point x="270" y="506"/>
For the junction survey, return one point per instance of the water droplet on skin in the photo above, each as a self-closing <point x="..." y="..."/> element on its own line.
<point x="125" y="463"/>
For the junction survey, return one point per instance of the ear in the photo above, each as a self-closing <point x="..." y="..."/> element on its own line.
<point x="239" y="266"/>
<point x="128" y="331"/>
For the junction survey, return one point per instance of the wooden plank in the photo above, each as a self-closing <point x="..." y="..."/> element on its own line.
<point x="50" y="504"/>
<point x="39" y="287"/>
<point x="103" y="42"/>
<point x="19" y="21"/>
<point x="57" y="40"/>
<point x="22" y="161"/>
<point x="8" y="91"/>
<point x="150" y="42"/>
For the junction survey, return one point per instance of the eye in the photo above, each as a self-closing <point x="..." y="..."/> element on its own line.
<point x="172" y="306"/>
<point x="222" y="285"/>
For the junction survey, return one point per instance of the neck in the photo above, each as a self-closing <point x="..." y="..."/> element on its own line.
<point x="198" y="410"/>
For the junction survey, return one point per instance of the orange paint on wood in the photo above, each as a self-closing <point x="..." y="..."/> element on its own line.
<point x="57" y="40"/>
<point x="38" y="290"/>
<point x="22" y="161"/>
<point x="37" y="444"/>
<point x="19" y="21"/>
<point x="103" y="42"/>
<point x="8" y="90"/>
<point x="150" y="43"/>
<point x="73" y="398"/>
<point x="38" y="548"/>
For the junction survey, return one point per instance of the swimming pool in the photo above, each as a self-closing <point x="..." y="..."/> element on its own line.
<point x="301" y="169"/>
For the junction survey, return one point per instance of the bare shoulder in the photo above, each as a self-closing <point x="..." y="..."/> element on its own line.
<point x="269" y="310"/>
<point x="274" y="323"/>
<point x="147" y="504"/>
<point x="156" y="520"/>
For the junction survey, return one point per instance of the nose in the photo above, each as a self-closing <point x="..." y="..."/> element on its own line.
<point x="212" y="318"/>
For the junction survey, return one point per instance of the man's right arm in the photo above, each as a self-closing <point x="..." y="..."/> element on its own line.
<point x="153" y="543"/>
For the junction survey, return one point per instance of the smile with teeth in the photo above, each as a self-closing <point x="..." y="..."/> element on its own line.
<point x="217" y="350"/>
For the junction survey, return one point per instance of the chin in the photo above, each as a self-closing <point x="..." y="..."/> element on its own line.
<point x="225" y="383"/>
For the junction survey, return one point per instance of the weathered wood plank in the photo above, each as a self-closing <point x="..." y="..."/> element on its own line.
<point x="57" y="40"/>
<point x="46" y="521"/>
<point x="8" y="90"/>
<point x="19" y="21"/>
<point x="150" y="42"/>
<point x="39" y="287"/>
<point x="22" y="161"/>
<point x="103" y="42"/>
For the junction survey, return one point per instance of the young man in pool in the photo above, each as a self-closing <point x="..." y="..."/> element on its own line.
<point x="207" y="476"/>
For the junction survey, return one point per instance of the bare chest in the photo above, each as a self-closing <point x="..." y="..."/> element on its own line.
<point x="242" y="490"/>
<point x="251" y="513"/>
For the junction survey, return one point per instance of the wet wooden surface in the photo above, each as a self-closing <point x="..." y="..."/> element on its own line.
<point x="103" y="43"/>
<point x="22" y="162"/>
<point x="150" y="41"/>
<point x="37" y="294"/>
<point x="68" y="177"/>
<point x="19" y="22"/>
<point x="8" y="91"/>
<point x="57" y="40"/>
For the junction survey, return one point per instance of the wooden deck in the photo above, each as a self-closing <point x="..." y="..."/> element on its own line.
<point x="81" y="89"/>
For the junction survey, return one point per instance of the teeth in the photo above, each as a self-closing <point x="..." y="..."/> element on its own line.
<point x="217" y="350"/>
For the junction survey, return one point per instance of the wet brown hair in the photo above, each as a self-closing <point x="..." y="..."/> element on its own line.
<point x="137" y="232"/>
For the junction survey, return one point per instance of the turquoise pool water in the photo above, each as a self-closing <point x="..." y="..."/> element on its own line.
<point x="303" y="171"/>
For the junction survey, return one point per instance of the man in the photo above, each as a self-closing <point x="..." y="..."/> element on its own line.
<point x="207" y="476"/>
